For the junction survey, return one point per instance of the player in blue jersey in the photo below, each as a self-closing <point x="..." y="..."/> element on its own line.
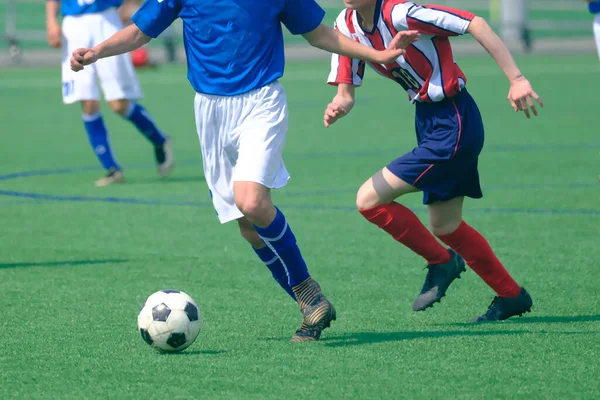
<point x="594" y="7"/>
<point x="235" y="57"/>
<point x="86" y="23"/>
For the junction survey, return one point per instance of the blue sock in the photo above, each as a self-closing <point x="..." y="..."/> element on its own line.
<point x="281" y="240"/>
<point x="139" y="117"/>
<point x="276" y="267"/>
<point x="98" y="137"/>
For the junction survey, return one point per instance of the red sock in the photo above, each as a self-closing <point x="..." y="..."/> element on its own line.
<point x="478" y="254"/>
<point x="406" y="228"/>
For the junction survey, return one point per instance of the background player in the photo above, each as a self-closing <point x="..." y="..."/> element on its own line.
<point x="450" y="138"/>
<point x="85" y="24"/>
<point x="594" y="7"/>
<point x="235" y="57"/>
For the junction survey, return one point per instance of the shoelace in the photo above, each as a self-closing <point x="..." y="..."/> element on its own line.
<point x="428" y="279"/>
<point x="492" y="305"/>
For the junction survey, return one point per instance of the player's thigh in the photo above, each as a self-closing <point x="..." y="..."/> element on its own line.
<point x="218" y="157"/>
<point x="445" y="216"/>
<point x="382" y="188"/>
<point x="117" y="74"/>
<point x="77" y="86"/>
<point x="260" y="138"/>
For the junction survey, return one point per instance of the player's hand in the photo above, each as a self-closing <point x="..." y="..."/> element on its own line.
<point x="520" y="97"/>
<point x="339" y="107"/>
<point x="396" y="47"/>
<point x="83" y="57"/>
<point x="54" y="35"/>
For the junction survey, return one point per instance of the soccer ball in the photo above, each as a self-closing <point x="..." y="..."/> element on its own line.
<point x="169" y="320"/>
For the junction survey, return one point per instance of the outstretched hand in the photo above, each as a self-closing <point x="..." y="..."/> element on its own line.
<point x="397" y="46"/>
<point x="520" y="97"/>
<point x="83" y="57"/>
<point x="339" y="107"/>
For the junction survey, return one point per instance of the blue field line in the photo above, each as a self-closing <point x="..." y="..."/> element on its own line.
<point x="313" y="207"/>
<point x="310" y="155"/>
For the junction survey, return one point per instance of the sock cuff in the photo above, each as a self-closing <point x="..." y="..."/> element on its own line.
<point x="91" y="117"/>
<point x="275" y="230"/>
<point x="131" y="109"/>
<point x="452" y="236"/>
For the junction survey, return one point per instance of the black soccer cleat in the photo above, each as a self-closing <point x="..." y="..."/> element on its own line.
<point x="505" y="307"/>
<point x="316" y="310"/>
<point x="165" y="160"/>
<point x="439" y="277"/>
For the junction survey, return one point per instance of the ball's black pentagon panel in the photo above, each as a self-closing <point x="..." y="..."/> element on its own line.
<point x="176" y="340"/>
<point x="161" y="312"/>
<point x="191" y="311"/>
<point x="146" y="336"/>
<point x="170" y="291"/>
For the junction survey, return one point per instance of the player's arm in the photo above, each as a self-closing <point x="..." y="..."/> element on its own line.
<point x="521" y="93"/>
<point x="53" y="31"/>
<point x="124" y="41"/>
<point x="341" y="104"/>
<point x="149" y="22"/>
<point x="327" y="38"/>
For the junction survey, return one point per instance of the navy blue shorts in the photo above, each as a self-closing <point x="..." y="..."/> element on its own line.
<point x="444" y="164"/>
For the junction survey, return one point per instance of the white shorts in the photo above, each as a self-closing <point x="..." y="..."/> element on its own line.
<point x="242" y="139"/>
<point x="597" y="32"/>
<point x="116" y="74"/>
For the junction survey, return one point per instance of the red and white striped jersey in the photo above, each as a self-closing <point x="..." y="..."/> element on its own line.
<point x="427" y="71"/>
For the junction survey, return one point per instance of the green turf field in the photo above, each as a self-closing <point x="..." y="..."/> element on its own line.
<point x="77" y="262"/>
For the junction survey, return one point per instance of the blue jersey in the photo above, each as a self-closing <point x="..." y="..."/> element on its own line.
<point x="79" y="7"/>
<point x="594" y="7"/>
<point x="232" y="46"/>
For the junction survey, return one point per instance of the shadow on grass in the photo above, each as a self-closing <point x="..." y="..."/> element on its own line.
<point x="195" y="352"/>
<point x="359" y="338"/>
<point x="362" y="338"/>
<point x="71" y="263"/>
<point x="550" y="319"/>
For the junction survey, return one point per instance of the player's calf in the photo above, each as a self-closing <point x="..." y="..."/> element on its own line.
<point x="274" y="230"/>
<point x="140" y="118"/>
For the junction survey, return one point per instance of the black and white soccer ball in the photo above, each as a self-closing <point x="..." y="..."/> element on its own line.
<point x="170" y="320"/>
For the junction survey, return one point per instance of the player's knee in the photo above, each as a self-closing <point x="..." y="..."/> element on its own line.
<point x="444" y="227"/>
<point x="119" y="106"/>
<point x="252" y="206"/>
<point x="90" y="107"/>
<point x="366" y="198"/>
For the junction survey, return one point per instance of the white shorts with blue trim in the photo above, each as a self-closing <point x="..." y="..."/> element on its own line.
<point x="242" y="139"/>
<point x="116" y="74"/>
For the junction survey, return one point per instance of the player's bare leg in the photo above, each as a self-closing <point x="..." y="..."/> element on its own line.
<point x="375" y="200"/>
<point x="254" y="201"/>
<point x="98" y="138"/>
<point x="163" y="151"/>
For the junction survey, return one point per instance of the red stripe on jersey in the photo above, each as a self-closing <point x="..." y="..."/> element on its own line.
<point x="349" y="22"/>
<point x="447" y="66"/>
<point x="422" y="66"/>
<point x="428" y="29"/>
<point x="344" y="70"/>
<point x="377" y="42"/>
<point x="467" y="15"/>
<point x="417" y="60"/>
<point x="386" y="11"/>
